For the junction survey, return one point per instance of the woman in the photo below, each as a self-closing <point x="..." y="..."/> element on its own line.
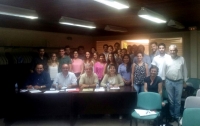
<point x="77" y="65"/>
<point x="139" y="72"/>
<point x="119" y="56"/>
<point x="124" y="70"/>
<point x="153" y="83"/>
<point x="88" y="60"/>
<point x="111" y="60"/>
<point x="95" y="57"/>
<point x="99" y="67"/>
<point x="53" y="66"/>
<point x="112" y="78"/>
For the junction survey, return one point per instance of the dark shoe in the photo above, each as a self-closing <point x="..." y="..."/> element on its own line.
<point x="171" y="120"/>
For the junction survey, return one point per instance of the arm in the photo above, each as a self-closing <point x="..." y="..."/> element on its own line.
<point x="160" y="88"/>
<point x="132" y="74"/>
<point x="145" y="87"/>
<point x="105" y="79"/>
<point x="105" y="69"/>
<point x="185" y="76"/>
<point x="73" y="81"/>
<point x="70" y="67"/>
<point x="147" y="69"/>
<point x="120" y="80"/>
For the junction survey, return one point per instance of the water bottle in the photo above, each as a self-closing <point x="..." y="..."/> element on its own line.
<point x="16" y="87"/>
<point x="108" y="85"/>
<point x="97" y="85"/>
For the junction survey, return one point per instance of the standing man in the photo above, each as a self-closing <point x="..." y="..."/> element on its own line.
<point x="154" y="49"/>
<point x="67" y="51"/>
<point x="81" y="52"/>
<point x="116" y="47"/>
<point x="175" y="71"/>
<point x="160" y="59"/>
<point x="105" y="49"/>
<point x="63" y="60"/>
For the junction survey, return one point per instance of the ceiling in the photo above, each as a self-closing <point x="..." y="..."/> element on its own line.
<point x="50" y="11"/>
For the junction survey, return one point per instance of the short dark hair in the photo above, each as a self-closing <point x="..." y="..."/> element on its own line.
<point x="81" y="47"/>
<point x="154" y="43"/>
<point x="67" y="46"/>
<point x="61" y="49"/>
<point x="105" y="45"/>
<point x="161" y="44"/>
<point x="117" y="43"/>
<point x="38" y="49"/>
<point x="154" y="67"/>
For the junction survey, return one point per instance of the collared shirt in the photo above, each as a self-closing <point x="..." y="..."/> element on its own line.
<point x="39" y="79"/>
<point x="159" y="61"/>
<point x="65" y="81"/>
<point x="175" y="69"/>
<point x="152" y="55"/>
<point x="145" y="59"/>
<point x="122" y="71"/>
<point x="85" y="79"/>
<point x="39" y="60"/>
<point x="64" y="60"/>
<point x="117" y="79"/>
<point x="106" y="55"/>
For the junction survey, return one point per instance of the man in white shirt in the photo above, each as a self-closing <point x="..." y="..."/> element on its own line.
<point x="160" y="59"/>
<point x="154" y="48"/>
<point x="65" y="78"/>
<point x="175" y="72"/>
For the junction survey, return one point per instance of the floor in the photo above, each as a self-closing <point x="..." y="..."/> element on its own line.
<point x="82" y="121"/>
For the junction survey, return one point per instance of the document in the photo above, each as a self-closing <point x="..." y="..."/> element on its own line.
<point x="63" y="88"/>
<point x="87" y="89"/>
<point x="73" y="90"/>
<point x="114" y="88"/>
<point x="23" y="90"/>
<point x="34" y="91"/>
<point x="143" y="112"/>
<point x="55" y="91"/>
<point x="101" y="89"/>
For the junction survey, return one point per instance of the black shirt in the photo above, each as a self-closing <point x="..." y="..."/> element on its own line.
<point x="154" y="86"/>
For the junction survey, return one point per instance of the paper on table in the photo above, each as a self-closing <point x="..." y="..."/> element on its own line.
<point x="142" y="112"/>
<point x="63" y="88"/>
<point x="99" y="89"/>
<point x="87" y="89"/>
<point x="23" y="90"/>
<point x="114" y="88"/>
<point x="51" y="91"/>
<point x="35" y="91"/>
<point x="72" y="89"/>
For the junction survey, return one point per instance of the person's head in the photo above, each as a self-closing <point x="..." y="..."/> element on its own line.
<point x="81" y="49"/>
<point x="110" y="49"/>
<point x="39" y="68"/>
<point x="154" y="46"/>
<point x="88" y="69"/>
<point x="134" y="49"/>
<point x="161" y="48"/>
<point x="41" y="51"/>
<point x="53" y="57"/>
<point x="102" y="58"/>
<point x="65" y="69"/>
<point x="112" y="69"/>
<point x="67" y="50"/>
<point x="119" y="52"/>
<point x="105" y="48"/>
<point x="95" y="56"/>
<point x="154" y="71"/>
<point x="117" y="46"/>
<point x="129" y="49"/>
<point x="124" y="51"/>
<point x="62" y="52"/>
<point x="139" y="56"/>
<point x="93" y="50"/>
<point x="173" y="51"/>
<point x="111" y="57"/>
<point x="141" y="48"/>
<point x="75" y="54"/>
<point x="126" y="59"/>
<point x="87" y="55"/>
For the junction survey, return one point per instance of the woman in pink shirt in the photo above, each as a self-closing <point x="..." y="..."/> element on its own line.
<point x="77" y="65"/>
<point x="99" y="66"/>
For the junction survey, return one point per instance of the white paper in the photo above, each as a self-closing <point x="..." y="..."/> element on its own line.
<point x="23" y="90"/>
<point x="34" y="91"/>
<point x="143" y="112"/>
<point x="63" y="88"/>
<point x="71" y="89"/>
<point x="51" y="91"/>
<point x="99" y="89"/>
<point x="114" y="88"/>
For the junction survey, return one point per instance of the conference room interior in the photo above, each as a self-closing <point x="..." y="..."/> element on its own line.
<point x="21" y="37"/>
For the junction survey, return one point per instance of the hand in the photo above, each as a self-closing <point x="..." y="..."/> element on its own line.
<point x="116" y="85"/>
<point x="36" y="87"/>
<point x="29" y="87"/>
<point x="84" y="86"/>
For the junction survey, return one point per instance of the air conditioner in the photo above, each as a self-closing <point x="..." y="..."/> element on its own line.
<point x="175" y="24"/>
<point x="115" y="28"/>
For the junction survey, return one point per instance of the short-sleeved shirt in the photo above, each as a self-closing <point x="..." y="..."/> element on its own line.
<point x="154" y="86"/>
<point x="65" y="60"/>
<point x="65" y="81"/>
<point x="123" y="72"/>
<point x="85" y="79"/>
<point x="98" y="69"/>
<point x="77" y="65"/>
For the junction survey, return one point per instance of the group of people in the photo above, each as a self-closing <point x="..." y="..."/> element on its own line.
<point x="113" y="68"/>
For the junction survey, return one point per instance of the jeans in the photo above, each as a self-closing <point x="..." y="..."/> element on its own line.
<point x="174" y="90"/>
<point x="139" y="87"/>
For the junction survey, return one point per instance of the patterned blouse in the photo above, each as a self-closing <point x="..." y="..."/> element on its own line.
<point x="139" y="74"/>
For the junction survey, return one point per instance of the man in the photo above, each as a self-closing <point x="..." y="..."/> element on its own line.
<point x="116" y="47"/>
<point x="160" y="59"/>
<point x="146" y="58"/>
<point x="65" y="78"/>
<point x="175" y="72"/>
<point x="39" y="59"/>
<point x="124" y="51"/>
<point x="67" y="51"/>
<point x="89" y="78"/>
<point x="105" y="49"/>
<point x="81" y="52"/>
<point x="154" y="48"/>
<point x="39" y="79"/>
<point x="63" y="59"/>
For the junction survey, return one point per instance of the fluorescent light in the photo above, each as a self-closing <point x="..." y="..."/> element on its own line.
<point x="115" y="3"/>
<point x="150" y="15"/>
<point x="18" y="12"/>
<point x="139" y="41"/>
<point x="76" y="22"/>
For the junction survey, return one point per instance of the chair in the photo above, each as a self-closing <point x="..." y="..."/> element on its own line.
<point x="191" y="102"/>
<point x="193" y="82"/>
<point x="198" y="93"/>
<point x="191" y="117"/>
<point x="147" y="101"/>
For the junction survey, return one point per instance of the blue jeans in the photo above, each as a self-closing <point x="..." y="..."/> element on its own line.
<point x="139" y="87"/>
<point x="174" y="90"/>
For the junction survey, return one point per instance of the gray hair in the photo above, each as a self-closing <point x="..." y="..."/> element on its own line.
<point x="173" y="46"/>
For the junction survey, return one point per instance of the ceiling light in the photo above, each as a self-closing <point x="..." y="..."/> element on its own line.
<point x="150" y="15"/>
<point x="115" y="28"/>
<point x="175" y="24"/>
<point x="18" y="12"/>
<point x="76" y="22"/>
<point x="118" y="4"/>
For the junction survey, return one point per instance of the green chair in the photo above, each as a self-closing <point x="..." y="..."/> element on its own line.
<point x="191" y="117"/>
<point x="195" y="83"/>
<point x="147" y="101"/>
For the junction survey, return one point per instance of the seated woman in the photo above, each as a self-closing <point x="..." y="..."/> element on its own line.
<point x="112" y="77"/>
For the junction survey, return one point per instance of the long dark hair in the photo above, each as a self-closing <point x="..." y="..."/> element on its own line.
<point x="128" y="68"/>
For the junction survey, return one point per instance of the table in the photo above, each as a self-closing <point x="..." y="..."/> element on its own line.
<point x="120" y="101"/>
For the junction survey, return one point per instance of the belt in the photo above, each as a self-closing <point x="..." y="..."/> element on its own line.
<point x="174" y="80"/>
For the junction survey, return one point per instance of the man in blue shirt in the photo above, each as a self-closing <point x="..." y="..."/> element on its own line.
<point x="39" y="79"/>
